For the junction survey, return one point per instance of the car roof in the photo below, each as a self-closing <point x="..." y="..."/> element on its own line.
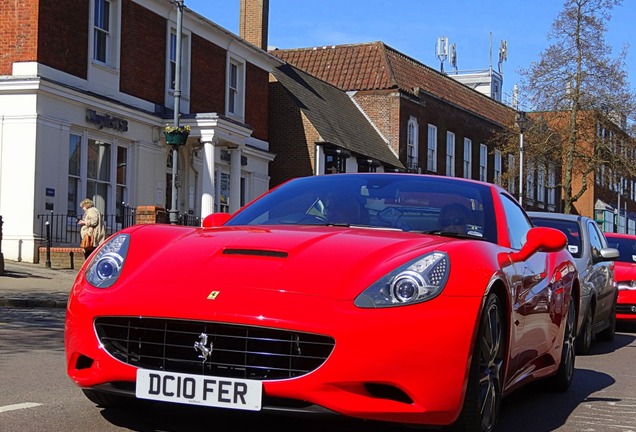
<point x="559" y="216"/>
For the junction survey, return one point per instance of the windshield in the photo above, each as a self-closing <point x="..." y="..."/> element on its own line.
<point x="626" y="247"/>
<point x="393" y="201"/>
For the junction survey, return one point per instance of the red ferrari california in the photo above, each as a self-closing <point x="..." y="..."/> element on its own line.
<point x="392" y="297"/>
<point x="625" y="275"/>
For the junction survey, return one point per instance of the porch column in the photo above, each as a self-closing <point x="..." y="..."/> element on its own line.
<point x="207" y="186"/>
<point x="235" y="179"/>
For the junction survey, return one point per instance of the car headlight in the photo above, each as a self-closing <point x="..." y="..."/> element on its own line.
<point x="414" y="282"/>
<point x="626" y="285"/>
<point x="106" y="266"/>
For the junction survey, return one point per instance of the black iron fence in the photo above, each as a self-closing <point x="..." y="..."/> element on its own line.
<point x="63" y="229"/>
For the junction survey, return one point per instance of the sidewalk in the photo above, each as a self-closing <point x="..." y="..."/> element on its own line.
<point x="34" y="285"/>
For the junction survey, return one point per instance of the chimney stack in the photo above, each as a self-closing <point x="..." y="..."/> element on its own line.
<point x="253" y="22"/>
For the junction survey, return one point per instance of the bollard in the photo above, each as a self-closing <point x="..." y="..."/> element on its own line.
<point x="48" y="244"/>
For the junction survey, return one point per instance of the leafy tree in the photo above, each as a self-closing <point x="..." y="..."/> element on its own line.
<point x="577" y="90"/>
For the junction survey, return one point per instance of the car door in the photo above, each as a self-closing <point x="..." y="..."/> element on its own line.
<point x="602" y="273"/>
<point x="531" y="325"/>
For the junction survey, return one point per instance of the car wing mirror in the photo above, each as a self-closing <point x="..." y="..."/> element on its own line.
<point x="608" y="254"/>
<point x="540" y="239"/>
<point x="215" y="220"/>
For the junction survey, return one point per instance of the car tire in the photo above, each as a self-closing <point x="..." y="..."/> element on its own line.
<point x="563" y="378"/>
<point x="584" y="340"/>
<point x="482" y="401"/>
<point x="609" y="333"/>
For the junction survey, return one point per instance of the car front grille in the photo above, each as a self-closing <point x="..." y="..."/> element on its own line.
<point x="236" y="351"/>
<point x="626" y="309"/>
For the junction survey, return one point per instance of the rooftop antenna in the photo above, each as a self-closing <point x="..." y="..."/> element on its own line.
<point x="442" y="51"/>
<point x="503" y="53"/>
<point x="453" y="57"/>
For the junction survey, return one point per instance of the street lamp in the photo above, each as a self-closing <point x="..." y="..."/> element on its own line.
<point x="522" y="123"/>
<point x="174" y="211"/>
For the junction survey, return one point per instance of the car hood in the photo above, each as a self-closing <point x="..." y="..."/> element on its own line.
<point x="323" y="261"/>
<point x="624" y="271"/>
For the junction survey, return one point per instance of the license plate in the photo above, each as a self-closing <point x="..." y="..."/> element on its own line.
<point x="199" y="390"/>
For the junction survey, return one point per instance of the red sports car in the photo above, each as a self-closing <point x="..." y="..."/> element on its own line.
<point x="393" y="297"/>
<point x="625" y="275"/>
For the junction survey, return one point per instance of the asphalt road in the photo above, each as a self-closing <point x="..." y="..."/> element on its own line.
<point x="37" y="395"/>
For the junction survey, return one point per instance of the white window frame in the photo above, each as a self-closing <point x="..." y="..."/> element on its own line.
<point x="235" y="88"/>
<point x="541" y="183"/>
<point x="450" y="154"/>
<point x="498" y="167"/>
<point x="483" y="162"/>
<point x="109" y="204"/>
<point x="111" y="33"/>
<point x="171" y="52"/>
<point x="512" y="180"/>
<point x="412" y="144"/>
<point x="468" y="158"/>
<point x="431" y="155"/>
<point x="551" y="184"/>
<point x="530" y="182"/>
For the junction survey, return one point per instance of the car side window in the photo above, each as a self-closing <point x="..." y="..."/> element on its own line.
<point x="596" y="241"/>
<point x="517" y="221"/>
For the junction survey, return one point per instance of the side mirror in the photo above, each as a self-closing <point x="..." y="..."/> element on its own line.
<point x="539" y="239"/>
<point x="608" y="254"/>
<point x="215" y="220"/>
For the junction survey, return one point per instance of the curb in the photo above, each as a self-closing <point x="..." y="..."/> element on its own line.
<point x="32" y="303"/>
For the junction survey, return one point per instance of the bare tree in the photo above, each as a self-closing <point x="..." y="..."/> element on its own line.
<point x="578" y="91"/>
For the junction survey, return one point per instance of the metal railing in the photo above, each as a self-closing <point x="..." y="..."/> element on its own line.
<point x="63" y="229"/>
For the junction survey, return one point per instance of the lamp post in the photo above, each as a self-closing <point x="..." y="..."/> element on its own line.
<point x="176" y="143"/>
<point x="522" y="123"/>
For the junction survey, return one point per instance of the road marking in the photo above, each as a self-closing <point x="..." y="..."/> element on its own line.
<point x="19" y="406"/>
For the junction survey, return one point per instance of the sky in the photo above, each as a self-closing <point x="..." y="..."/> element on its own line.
<point x="414" y="26"/>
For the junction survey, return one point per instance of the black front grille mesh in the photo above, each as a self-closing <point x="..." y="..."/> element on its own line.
<point x="237" y="351"/>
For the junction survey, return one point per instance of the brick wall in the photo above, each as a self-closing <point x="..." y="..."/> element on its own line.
<point x="207" y="76"/>
<point x="18" y="33"/>
<point x="253" y="22"/>
<point x="143" y="54"/>
<point x="256" y="101"/>
<point x="62" y="257"/>
<point x="292" y="137"/>
<point x="63" y="36"/>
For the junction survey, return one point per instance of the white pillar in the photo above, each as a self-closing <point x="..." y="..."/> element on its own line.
<point x="235" y="179"/>
<point x="207" y="187"/>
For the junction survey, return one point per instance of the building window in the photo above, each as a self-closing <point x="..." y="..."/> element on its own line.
<point x="431" y="162"/>
<point x="236" y="89"/>
<point x="450" y="154"/>
<point x="468" y="158"/>
<point x="101" y="31"/>
<point x="498" y="170"/>
<point x="411" y="144"/>
<point x="541" y="184"/>
<point x="185" y="63"/>
<point x="511" y="178"/>
<point x="551" y="184"/>
<point x="530" y="182"/>
<point x="483" y="162"/>
<point x="91" y="168"/>
<point x="336" y="161"/>
<point x="74" y="174"/>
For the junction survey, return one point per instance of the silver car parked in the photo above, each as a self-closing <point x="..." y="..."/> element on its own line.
<point x="594" y="261"/>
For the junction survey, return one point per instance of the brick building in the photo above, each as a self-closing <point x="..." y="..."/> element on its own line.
<point x="86" y="88"/>
<point x="434" y="124"/>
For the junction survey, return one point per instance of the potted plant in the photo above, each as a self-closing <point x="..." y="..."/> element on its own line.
<point x="176" y="135"/>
